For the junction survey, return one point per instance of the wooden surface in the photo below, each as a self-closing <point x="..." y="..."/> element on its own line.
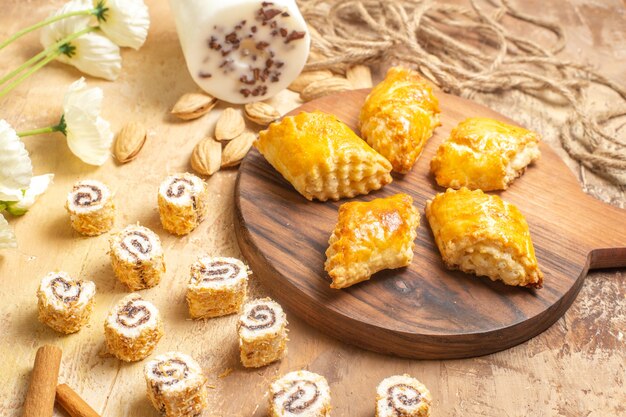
<point x="423" y="311"/>
<point x="575" y="368"/>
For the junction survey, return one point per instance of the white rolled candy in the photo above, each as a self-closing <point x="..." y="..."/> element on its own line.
<point x="242" y="50"/>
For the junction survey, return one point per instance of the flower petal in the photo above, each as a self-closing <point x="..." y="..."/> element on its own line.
<point x="7" y="237"/>
<point x="54" y="32"/>
<point x="88" y="135"/>
<point x="38" y="186"/>
<point x="90" y="140"/>
<point x="16" y="169"/>
<point x="126" y="22"/>
<point x="96" y="55"/>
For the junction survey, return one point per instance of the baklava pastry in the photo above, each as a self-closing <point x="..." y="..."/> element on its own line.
<point x="133" y="328"/>
<point x="262" y="331"/>
<point x="217" y="287"/>
<point x="176" y="385"/>
<point x="182" y="203"/>
<point x="137" y="257"/>
<point x="322" y="158"/>
<point x="91" y="208"/>
<point x="64" y="303"/>
<point x="485" y="154"/>
<point x="299" y="393"/>
<point x="482" y="234"/>
<point x="371" y="236"/>
<point x="399" y="115"/>
<point x="402" y="395"/>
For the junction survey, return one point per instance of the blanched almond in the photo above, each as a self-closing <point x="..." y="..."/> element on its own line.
<point x="261" y="113"/>
<point x="308" y="77"/>
<point x="193" y="105"/>
<point x="324" y="87"/>
<point x="236" y="149"/>
<point x="229" y="125"/>
<point x="129" y="142"/>
<point x="206" y="157"/>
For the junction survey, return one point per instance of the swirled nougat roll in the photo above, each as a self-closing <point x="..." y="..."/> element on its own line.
<point x="182" y="203"/>
<point x="399" y="116"/>
<point x="482" y="234"/>
<point x="371" y="236"/>
<point x="176" y="385"/>
<point x="262" y="331"/>
<point x="486" y="154"/>
<point x="217" y="287"/>
<point x="133" y="328"/>
<point x="301" y="394"/>
<point x="64" y="303"/>
<point x="402" y="395"/>
<point x="91" y="207"/>
<point x="322" y="158"/>
<point x="137" y="257"/>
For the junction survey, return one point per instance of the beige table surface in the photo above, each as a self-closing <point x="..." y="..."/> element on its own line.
<point x="576" y="368"/>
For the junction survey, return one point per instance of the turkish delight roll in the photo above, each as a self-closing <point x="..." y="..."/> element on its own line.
<point x="64" y="303"/>
<point x="300" y="393"/>
<point x="91" y="208"/>
<point x="137" y="257"/>
<point x="176" y="385"/>
<point x="262" y="331"/>
<point x="182" y="203"/>
<point x="133" y="328"/>
<point x="217" y="287"/>
<point x="402" y="395"/>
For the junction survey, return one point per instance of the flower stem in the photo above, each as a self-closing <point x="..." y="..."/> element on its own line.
<point x="30" y="72"/>
<point x="48" y="55"/>
<point x="47" y="22"/>
<point x="39" y="131"/>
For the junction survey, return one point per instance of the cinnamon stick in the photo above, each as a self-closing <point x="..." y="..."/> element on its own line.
<point x="40" y="396"/>
<point x="73" y="404"/>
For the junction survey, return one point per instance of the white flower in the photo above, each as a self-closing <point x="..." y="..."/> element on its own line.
<point x="92" y="53"/>
<point x="38" y="186"/>
<point x="7" y="237"/>
<point x="56" y="31"/>
<point x="126" y="22"/>
<point x="89" y="136"/>
<point x="16" y="170"/>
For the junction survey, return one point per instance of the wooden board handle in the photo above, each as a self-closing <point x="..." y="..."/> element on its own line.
<point x="607" y="258"/>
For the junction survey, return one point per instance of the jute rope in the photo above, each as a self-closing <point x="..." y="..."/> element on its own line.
<point x="468" y="51"/>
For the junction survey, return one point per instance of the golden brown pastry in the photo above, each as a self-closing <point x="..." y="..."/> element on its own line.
<point x="481" y="234"/>
<point x="371" y="236"/>
<point x="486" y="154"/>
<point x="322" y="158"/>
<point x="399" y="116"/>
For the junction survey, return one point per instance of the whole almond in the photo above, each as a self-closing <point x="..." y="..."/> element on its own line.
<point x="261" y="113"/>
<point x="206" y="157"/>
<point x="193" y="105"/>
<point x="324" y="87"/>
<point x="307" y="77"/>
<point x="236" y="149"/>
<point x="129" y="142"/>
<point x="359" y="76"/>
<point x="229" y="125"/>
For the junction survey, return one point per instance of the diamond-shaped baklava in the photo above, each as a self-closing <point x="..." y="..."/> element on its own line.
<point x="371" y="236"/>
<point x="482" y="234"/>
<point x="399" y="116"/>
<point x="486" y="154"/>
<point x="322" y="158"/>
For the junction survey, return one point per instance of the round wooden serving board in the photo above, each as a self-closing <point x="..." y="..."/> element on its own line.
<point x="424" y="310"/>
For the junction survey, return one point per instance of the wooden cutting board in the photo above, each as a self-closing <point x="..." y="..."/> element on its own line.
<point x="424" y="310"/>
